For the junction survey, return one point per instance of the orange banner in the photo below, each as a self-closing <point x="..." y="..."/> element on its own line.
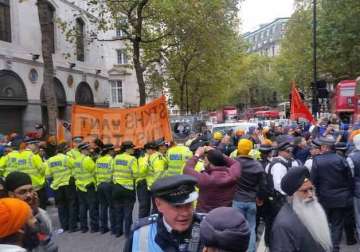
<point x="113" y="125"/>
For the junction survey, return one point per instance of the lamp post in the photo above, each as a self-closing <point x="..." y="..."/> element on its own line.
<point x="315" y="102"/>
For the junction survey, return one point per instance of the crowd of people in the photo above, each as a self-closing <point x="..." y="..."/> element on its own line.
<point x="209" y="192"/>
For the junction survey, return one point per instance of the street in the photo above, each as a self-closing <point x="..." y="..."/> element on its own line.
<point x="79" y="242"/>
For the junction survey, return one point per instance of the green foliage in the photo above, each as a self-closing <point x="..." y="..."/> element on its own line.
<point x="338" y="44"/>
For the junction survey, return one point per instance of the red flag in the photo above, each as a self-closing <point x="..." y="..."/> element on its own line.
<point x="298" y="108"/>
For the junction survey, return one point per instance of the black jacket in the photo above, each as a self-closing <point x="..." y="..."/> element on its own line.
<point x="332" y="179"/>
<point x="288" y="234"/>
<point x="252" y="180"/>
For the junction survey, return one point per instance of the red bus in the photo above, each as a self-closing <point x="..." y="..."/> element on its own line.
<point x="344" y="100"/>
<point x="267" y="115"/>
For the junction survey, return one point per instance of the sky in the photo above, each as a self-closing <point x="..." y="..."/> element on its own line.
<point x="256" y="12"/>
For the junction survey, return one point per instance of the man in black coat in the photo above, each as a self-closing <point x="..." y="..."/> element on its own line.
<point x="301" y="225"/>
<point x="331" y="176"/>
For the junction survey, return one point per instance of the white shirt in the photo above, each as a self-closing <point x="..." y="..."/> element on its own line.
<point x="278" y="171"/>
<point x="308" y="164"/>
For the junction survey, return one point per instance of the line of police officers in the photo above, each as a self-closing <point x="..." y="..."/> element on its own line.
<point x="105" y="185"/>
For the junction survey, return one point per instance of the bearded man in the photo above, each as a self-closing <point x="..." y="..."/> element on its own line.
<point x="301" y="224"/>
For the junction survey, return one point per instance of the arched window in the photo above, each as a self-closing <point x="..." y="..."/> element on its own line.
<point x="5" y="21"/>
<point x="84" y="95"/>
<point x="80" y="31"/>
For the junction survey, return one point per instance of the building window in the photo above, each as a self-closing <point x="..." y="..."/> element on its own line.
<point x="80" y="48"/>
<point x="116" y="92"/>
<point x="52" y="31"/>
<point x="5" y="22"/>
<point x="121" y="57"/>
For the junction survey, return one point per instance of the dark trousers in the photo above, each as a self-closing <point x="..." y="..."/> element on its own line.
<point x="144" y="198"/>
<point x="350" y="227"/>
<point x="106" y="207"/>
<point x="123" y="200"/>
<point x="336" y="218"/>
<point x="65" y="201"/>
<point x="42" y="198"/>
<point x="88" y="202"/>
<point x="270" y="211"/>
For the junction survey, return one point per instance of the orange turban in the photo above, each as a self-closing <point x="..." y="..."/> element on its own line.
<point x="14" y="213"/>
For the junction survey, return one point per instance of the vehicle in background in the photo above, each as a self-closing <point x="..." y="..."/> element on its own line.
<point x="267" y="115"/>
<point x="284" y="110"/>
<point x="225" y="114"/>
<point x="226" y="127"/>
<point x="250" y="112"/>
<point x="344" y="101"/>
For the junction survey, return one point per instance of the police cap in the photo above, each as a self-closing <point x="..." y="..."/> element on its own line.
<point x="83" y="146"/>
<point x="108" y="147"/>
<point x="315" y="143"/>
<point x="328" y="141"/>
<point x="177" y="190"/>
<point x="265" y="148"/>
<point x="127" y="145"/>
<point x="151" y="145"/>
<point x="78" y="139"/>
<point x="341" y="146"/>
<point x="31" y="141"/>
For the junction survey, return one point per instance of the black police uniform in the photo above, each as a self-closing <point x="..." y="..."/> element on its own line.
<point x="331" y="176"/>
<point x="151" y="234"/>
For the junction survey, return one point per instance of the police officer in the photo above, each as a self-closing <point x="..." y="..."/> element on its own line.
<point x="314" y="151"/>
<point x="59" y="168"/>
<point x="103" y="174"/>
<point x="275" y="171"/>
<point x="84" y="169"/>
<point x="176" y="157"/>
<point x="156" y="163"/>
<point x="331" y="176"/>
<point x="123" y="194"/>
<point x="30" y="162"/>
<point x="142" y="190"/>
<point x="74" y="153"/>
<point x="176" y="228"/>
<point x="8" y="163"/>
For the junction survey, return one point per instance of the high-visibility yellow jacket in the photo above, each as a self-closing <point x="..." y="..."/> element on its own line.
<point x="8" y="163"/>
<point x="143" y="167"/>
<point x="104" y="169"/>
<point x="177" y="157"/>
<point x="125" y="169"/>
<point x="74" y="153"/>
<point x="59" y="168"/>
<point x="157" y="167"/>
<point x="32" y="164"/>
<point x="84" y="169"/>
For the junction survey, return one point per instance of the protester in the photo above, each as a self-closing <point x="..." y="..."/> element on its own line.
<point x="301" y="225"/>
<point x="17" y="226"/>
<point x="230" y="234"/>
<point x="18" y="185"/>
<point x="217" y="182"/>
<point x="250" y="185"/>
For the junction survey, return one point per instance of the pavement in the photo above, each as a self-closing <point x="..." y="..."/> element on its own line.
<point x="96" y="242"/>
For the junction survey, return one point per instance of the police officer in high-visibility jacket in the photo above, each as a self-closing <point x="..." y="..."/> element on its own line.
<point x="30" y="162"/>
<point x="156" y="163"/>
<point x="103" y="175"/>
<point x="9" y="162"/>
<point x="84" y="173"/>
<point x="142" y="190"/>
<point x="74" y="153"/>
<point x="176" y="227"/>
<point x="176" y="157"/>
<point x="123" y="194"/>
<point x="59" y="168"/>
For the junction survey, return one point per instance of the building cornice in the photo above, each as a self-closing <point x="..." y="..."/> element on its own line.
<point x="264" y="27"/>
<point x="40" y="64"/>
